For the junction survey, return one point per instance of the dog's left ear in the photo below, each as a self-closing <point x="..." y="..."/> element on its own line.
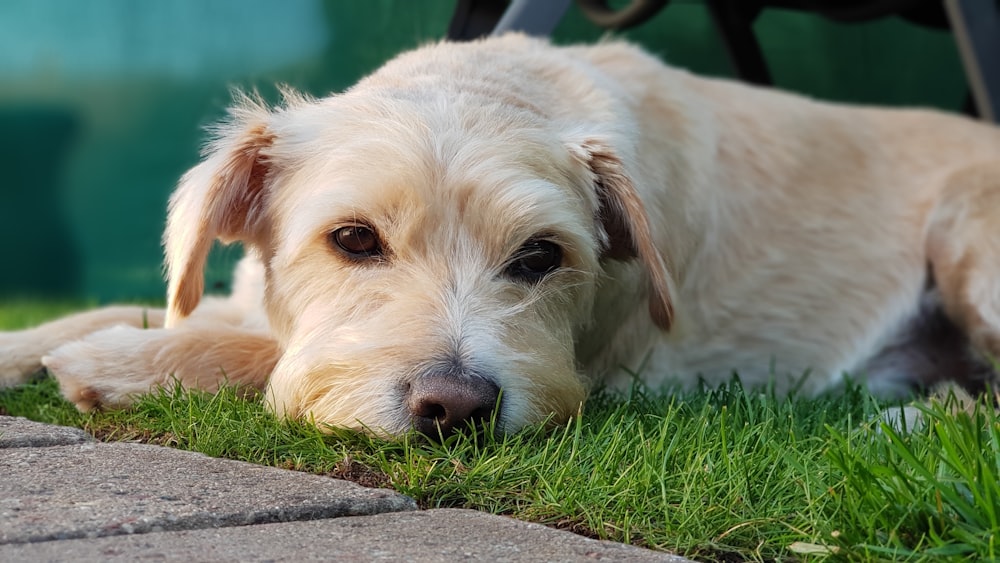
<point x="220" y="198"/>
<point x="623" y="217"/>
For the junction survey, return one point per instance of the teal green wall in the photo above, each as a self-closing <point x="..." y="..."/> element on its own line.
<point x="102" y="103"/>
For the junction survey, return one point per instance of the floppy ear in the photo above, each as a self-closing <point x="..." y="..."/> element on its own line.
<point x="220" y="198"/>
<point x="624" y="220"/>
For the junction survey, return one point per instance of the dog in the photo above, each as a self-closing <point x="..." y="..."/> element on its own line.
<point x="489" y="230"/>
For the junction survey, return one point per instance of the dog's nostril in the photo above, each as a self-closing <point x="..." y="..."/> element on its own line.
<point x="430" y="409"/>
<point x="445" y="402"/>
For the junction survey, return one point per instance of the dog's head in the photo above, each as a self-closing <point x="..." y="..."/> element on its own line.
<point x="428" y="260"/>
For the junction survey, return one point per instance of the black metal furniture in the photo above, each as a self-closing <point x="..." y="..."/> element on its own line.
<point x="974" y="23"/>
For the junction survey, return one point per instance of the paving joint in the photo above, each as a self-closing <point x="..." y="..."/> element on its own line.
<point x="67" y="497"/>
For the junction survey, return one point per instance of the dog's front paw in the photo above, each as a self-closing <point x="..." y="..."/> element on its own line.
<point x="105" y="369"/>
<point x="20" y="357"/>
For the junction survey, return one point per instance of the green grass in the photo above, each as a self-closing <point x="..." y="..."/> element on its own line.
<point x="29" y="312"/>
<point x="711" y="475"/>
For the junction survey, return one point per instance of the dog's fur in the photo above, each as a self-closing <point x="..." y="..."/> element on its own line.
<point x="706" y="227"/>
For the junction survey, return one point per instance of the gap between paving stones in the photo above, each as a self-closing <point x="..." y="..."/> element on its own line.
<point x="64" y="496"/>
<point x="93" y="489"/>
<point x="418" y="536"/>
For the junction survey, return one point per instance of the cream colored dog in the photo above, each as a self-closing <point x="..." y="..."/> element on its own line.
<point x="492" y="228"/>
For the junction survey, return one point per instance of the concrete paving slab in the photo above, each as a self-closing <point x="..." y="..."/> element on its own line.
<point x="95" y="489"/>
<point x="432" y="535"/>
<point x="17" y="432"/>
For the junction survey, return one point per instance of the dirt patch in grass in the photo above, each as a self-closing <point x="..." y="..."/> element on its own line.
<point x="352" y="470"/>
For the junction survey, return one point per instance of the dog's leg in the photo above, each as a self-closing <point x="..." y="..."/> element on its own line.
<point x="109" y="367"/>
<point x="21" y="351"/>
<point x="104" y="357"/>
<point x="963" y="246"/>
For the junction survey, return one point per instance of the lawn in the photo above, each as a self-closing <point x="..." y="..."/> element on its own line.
<point x="719" y="474"/>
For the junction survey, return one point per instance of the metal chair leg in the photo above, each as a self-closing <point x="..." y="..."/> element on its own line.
<point x="534" y="17"/>
<point x="976" y="25"/>
<point x="734" y="21"/>
<point x="478" y="18"/>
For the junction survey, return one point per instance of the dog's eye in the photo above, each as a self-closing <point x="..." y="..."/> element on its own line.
<point x="358" y="241"/>
<point x="535" y="259"/>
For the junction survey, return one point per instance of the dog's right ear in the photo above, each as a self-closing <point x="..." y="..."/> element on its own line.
<point x="220" y="198"/>
<point x="626" y="225"/>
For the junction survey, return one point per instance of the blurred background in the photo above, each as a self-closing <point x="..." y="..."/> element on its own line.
<point x="103" y="104"/>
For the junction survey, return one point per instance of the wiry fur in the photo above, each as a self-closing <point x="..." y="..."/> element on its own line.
<point x="707" y="227"/>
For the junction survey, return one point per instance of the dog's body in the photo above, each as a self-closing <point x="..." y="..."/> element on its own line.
<point x="509" y="223"/>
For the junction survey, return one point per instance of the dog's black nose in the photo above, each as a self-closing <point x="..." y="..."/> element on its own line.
<point x="444" y="402"/>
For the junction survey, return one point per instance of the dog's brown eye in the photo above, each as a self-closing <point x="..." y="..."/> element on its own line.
<point x="358" y="241"/>
<point x="534" y="260"/>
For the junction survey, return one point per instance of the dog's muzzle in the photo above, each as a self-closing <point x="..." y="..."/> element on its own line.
<point x="440" y="403"/>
